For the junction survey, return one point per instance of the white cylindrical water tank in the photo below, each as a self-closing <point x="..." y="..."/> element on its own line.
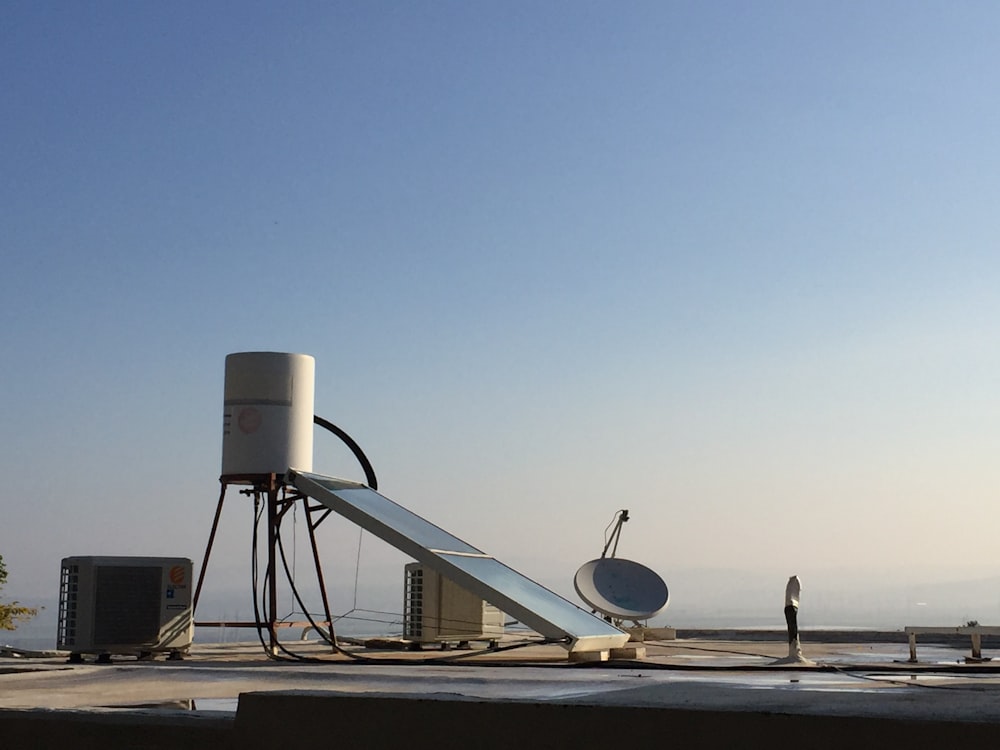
<point x="268" y="415"/>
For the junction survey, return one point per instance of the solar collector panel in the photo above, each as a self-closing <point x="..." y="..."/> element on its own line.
<point x="534" y="605"/>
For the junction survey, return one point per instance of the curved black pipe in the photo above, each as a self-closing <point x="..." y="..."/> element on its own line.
<point x="355" y="449"/>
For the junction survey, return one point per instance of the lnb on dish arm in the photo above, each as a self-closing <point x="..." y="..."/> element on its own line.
<point x="621" y="517"/>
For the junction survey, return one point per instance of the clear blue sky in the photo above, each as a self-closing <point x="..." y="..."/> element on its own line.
<point x="732" y="266"/>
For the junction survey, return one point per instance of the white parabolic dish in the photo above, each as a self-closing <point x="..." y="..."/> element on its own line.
<point x="621" y="588"/>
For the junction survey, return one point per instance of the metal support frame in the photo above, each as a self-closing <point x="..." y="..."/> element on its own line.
<point x="271" y="488"/>
<point x="622" y="517"/>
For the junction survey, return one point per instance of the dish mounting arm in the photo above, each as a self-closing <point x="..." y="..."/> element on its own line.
<point x="620" y="518"/>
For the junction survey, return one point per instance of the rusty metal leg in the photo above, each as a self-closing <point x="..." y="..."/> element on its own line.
<point x="319" y="573"/>
<point x="271" y="576"/>
<point x="208" y="547"/>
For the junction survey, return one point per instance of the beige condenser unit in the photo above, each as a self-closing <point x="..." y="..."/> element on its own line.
<point x="436" y="609"/>
<point x="125" y="605"/>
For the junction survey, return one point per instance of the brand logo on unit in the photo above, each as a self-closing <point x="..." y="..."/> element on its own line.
<point x="249" y="420"/>
<point x="177" y="575"/>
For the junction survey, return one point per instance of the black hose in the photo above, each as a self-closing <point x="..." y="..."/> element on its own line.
<point x="359" y="454"/>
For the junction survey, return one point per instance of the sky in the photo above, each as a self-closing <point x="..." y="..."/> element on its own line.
<point x="730" y="266"/>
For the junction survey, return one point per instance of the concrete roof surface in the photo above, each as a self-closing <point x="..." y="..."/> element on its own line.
<point x="845" y="679"/>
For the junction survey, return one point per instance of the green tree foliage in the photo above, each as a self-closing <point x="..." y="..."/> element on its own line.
<point x="12" y="613"/>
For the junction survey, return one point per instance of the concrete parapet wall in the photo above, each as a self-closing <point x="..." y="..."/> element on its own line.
<point x="269" y="719"/>
<point x="110" y="730"/>
<point x="321" y="719"/>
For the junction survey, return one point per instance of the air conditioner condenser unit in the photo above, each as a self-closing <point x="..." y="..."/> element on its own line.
<point x="436" y="609"/>
<point x="125" y="605"/>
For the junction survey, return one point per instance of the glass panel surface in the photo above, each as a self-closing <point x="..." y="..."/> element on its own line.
<point x="532" y="596"/>
<point x="394" y="516"/>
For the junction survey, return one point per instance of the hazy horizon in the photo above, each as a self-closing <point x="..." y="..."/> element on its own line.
<point x="712" y="599"/>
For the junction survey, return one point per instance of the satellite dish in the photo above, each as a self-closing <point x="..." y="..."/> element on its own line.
<point x="621" y="589"/>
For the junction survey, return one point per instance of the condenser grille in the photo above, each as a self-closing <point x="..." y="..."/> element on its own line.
<point x="413" y="610"/>
<point x="127" y="607"/>
<point x="69" y="593"/>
